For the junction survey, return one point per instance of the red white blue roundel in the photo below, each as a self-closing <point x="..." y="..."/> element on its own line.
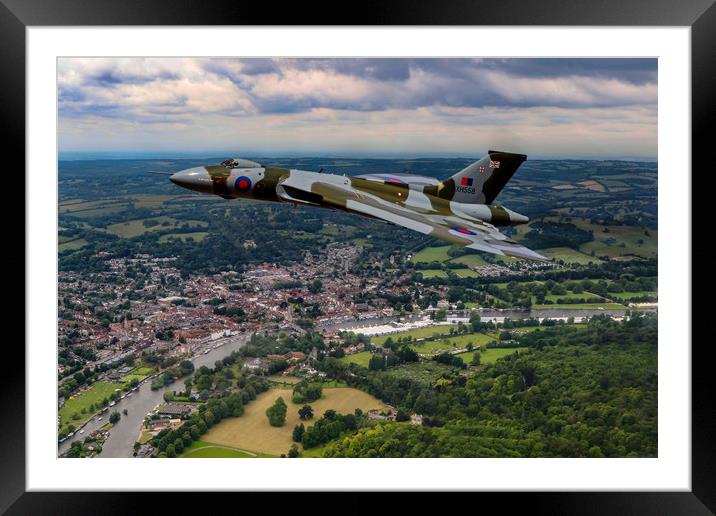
<point x="242" y="184"/>
<point x="463" y="231"/>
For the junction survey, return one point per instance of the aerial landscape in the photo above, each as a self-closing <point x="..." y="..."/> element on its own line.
<point x="196" y="326"/>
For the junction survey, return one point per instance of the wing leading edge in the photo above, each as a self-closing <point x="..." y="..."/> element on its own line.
<point x="477" y="235"/>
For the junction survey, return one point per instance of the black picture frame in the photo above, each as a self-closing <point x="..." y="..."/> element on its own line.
<point x="700" y="15"/>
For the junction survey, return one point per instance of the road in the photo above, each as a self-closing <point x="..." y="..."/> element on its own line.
<point x="122" y="436"/>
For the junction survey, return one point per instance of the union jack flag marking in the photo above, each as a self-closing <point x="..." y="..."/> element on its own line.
<point x="482" y="169"/>
<point x="494" y="164"/>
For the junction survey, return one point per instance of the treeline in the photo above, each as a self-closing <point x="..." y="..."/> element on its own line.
<point x="261" y="345"/>
<point x="330" y="426"/>
<point x="185" y="367"/>
<point x="543" y="235"/>
<point x="610" y="270"/>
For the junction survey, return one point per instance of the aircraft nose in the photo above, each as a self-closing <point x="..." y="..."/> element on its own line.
<point x="196" y="178"/>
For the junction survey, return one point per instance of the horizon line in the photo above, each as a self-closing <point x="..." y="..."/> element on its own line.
<point x="119" y="155"/>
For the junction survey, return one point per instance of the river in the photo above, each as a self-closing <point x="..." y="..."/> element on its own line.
<point x="122" y="436"/>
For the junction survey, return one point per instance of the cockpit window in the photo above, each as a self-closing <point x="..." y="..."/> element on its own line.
<point x="240" y="163"/>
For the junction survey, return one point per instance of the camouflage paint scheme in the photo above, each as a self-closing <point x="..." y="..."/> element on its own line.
<point x="458" y="210"/>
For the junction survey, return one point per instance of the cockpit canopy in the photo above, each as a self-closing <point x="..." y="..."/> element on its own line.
<point x="240" y="163"/>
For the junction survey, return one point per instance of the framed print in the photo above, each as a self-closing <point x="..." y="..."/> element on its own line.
<point x="424" y="258"/>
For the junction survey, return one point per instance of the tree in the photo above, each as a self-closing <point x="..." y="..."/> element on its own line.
<point x="114" y="417"/>
<point x="276" y="413"/>
<point x="402" y="415"/>
<point x="171" y="451"/>
<point x="306" y="392"/>
<point x="305" y="412"/>
<point x="179" y="445"/>
<point x="475" y="358"/>
<point x="168" y="396"/>
<point x="376" y="363"/>
<point x="298" y="431"/>
<point x="293" y="452"/>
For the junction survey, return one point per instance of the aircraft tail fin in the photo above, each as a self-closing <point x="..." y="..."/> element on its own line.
<point x="480" y="182"/>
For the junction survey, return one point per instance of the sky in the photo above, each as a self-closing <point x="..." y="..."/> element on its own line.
<point x="359" y="107"/>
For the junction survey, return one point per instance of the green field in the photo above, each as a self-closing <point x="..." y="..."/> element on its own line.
<point x="142" y="370"/>
<point x="471" y="260"/>
<point x="134" y="228"/>
<point x="205" y="450"/>
<point x="583" y="306"/>
<point x="128" y="378"/>
<point x="592" y="298"/>
<point x="490" y="355"/>
<point x="83" y="207"/>
<point x="100" y="212"/>
<point x="96" y="393"/>
<point x="417" y="333"/>
<point x="196" y="236"/>
<point x="569" y="255"/>
<point x="619" y="240"/>
<point x="152" y="202"/>
<point x="77" y="243"/>
<point x="450" y="343"/>
<point x="433" y="273"/>
<point x="626" y="296"/>
<point x="432" y="254"/>
<point x="465" y="273"/>
<point x="361" y="358"/>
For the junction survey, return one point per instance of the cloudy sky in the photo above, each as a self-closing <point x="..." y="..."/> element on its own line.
<point x="372" y="107"/>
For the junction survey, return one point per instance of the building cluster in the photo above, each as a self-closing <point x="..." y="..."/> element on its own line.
<point x="142" y="303"/>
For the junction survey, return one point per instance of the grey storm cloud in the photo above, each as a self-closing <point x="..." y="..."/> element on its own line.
<point x="379" y="84"/>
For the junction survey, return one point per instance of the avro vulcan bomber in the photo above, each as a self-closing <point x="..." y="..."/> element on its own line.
<point x="458" y="210"/>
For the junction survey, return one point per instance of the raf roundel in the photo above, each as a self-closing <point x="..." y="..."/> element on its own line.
<point x="242" y="184"/>
<point x="463" y="231"/>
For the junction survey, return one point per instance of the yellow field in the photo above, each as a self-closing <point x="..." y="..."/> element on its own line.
<point x="253" y="432"/>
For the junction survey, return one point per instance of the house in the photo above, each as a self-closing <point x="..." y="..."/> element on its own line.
<point x="381" y="415"/>
<point x="157" y="425"/>
<point x="457" y="316"/>
<point x="175" y="410"/>
<point x="291" y="356"/>
<point x="257" y="364"/>
<point x="146" y="450"/>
